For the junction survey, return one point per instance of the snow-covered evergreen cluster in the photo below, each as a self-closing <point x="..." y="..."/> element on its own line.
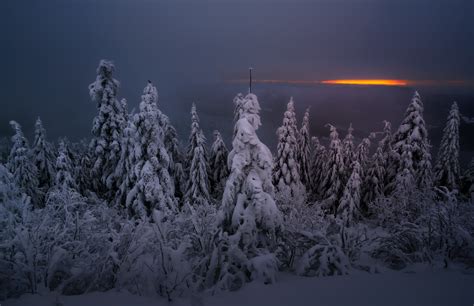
<point x="133" y="210"/>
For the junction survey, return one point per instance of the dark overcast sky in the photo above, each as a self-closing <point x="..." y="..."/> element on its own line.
<point x="50" y="49"/>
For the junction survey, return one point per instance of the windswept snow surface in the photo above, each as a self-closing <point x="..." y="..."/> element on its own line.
<point x="426" y="287"/>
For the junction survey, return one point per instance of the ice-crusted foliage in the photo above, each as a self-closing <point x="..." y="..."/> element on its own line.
<point x="64" y="169"/>
<point x="218" y="165"/>
<point x="156" y="259"/>
<point x="304" y="151"/>
<point x="44" y="157"/>
<point x="348" y="150"/>
<point x="151" y="184"/>
<point x="333" y="182"/>
<point x="107" y="129"/>
<point x="248" y="211"/>
<point x="318" y="162"/>
<point x="413" y="134"/>
<point x="349" y="206"/>
<point x="447" y="171"/>
<point x="286" y="176"/>
<point x="21" y="165"/>
<point x="197" y="187"/>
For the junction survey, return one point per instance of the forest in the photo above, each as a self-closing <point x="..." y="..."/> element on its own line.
<point x="136" y="208"/>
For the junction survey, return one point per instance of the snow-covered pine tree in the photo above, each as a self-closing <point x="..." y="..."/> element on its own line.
<point x="374" y="180"/>
<point x="107" y="129"/>
<point x="248" y="210"/>
<point x="131" y="150"/>
<point x="4" y="149"/>
<point x="176" y="167"/>
<point x="318" y="162"/>
<point x="44" y="157"/>
<point x="388" y="154"/>
<point x="21" y="165"/>
<point x="413" y="134"/>
<point x="348" y="150"/>
<point x="286" y="177"/>
<point x="238" y="102"/>
<point x="64" y="169"/>
<point x="447" y="171"/>
<point x="151" y="186"/>
<point x="468" y="180"/>
<point x="333" y="182"/>
<point x="197" y="187"/>
<point x="304" y="151"/>
<point x="218" y="165"/>
<point x="84" y="176"/>
<point x="349" y="206"/>
<point x="362" y="152"/>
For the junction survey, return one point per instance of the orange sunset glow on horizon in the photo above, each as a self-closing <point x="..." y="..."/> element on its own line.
<point x="380" y="82"/>
<point x="362" y="82"/>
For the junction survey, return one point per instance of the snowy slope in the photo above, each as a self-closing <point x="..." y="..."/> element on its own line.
<point x="426" y="287"/>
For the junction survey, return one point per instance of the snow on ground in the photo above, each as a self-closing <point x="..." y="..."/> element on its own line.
<point x="427" y="287"/>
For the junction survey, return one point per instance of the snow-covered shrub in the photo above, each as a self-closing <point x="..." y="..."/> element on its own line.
<point x="323" y="260"/>
<point x="451" y="228"/>
<point x="155" y="260"/>
<point x="311" y="243"/>
<point x="16" y="258"/>
<point x="406" y="244"/>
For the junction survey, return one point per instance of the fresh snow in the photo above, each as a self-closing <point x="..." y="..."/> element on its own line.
<point x="427" y="286"/>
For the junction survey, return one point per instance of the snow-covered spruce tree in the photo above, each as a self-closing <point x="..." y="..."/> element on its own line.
<point x="107" y="129"/>
<point x="248" y="212"/>
<point x="176" y="166"/>
<point x="21" y="165"/>
<point x="84" y="177"/>
<point x="468" y="180"/>
<point x="304" y="151"/>
<point x="125" y="167"/>
<point x="348" y="150"/>
<point x="362" y="153"/>
<point x="64" y="169"/>
<point x="413" y="134"/>
<point x="218" y="165"/>
<point x="197" y="187"/>
<point x="374" y="180"/>
<point x="446" y="170"/>
<point x="318" y="162"/>
<point x="286" y="177"/>
<point x="349" y="205"/>
<point x="44" y="157"/>
<point x="151" y="184"/>
<point x="4" y="149"/>
<point x="333" y="182"/>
